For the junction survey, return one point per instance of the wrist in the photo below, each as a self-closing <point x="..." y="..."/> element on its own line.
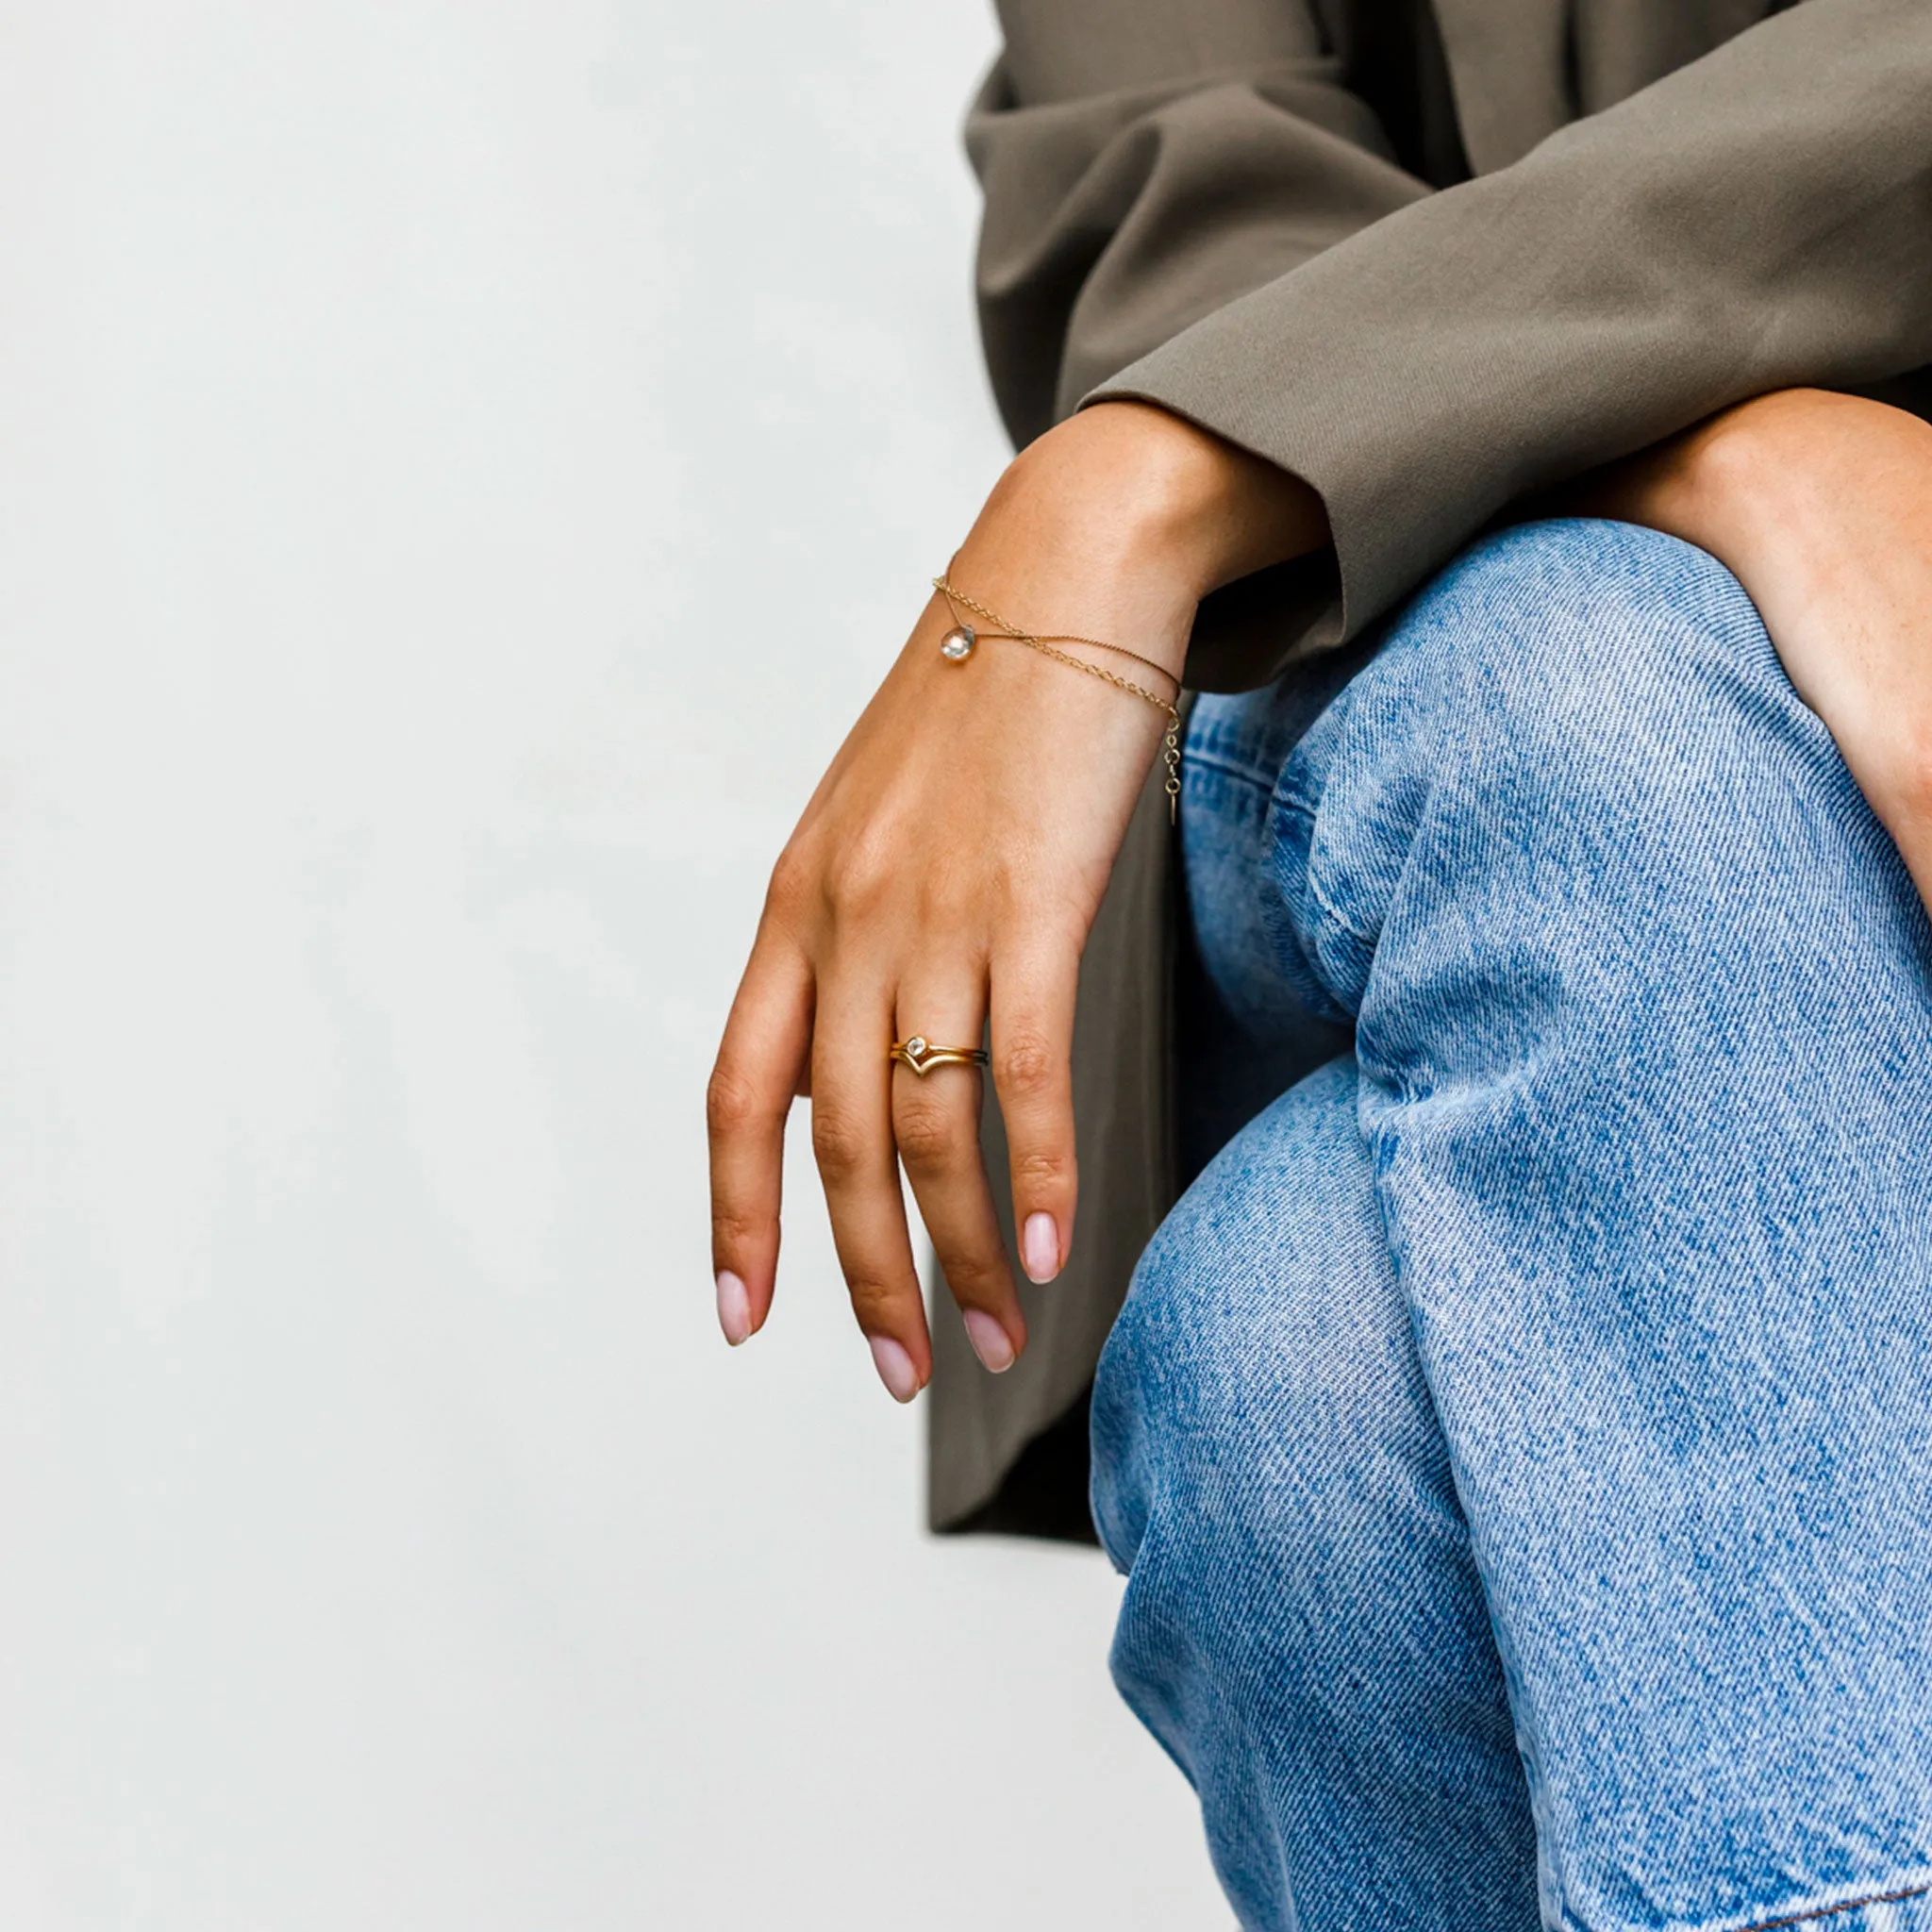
<point x="1185" y="499"/>
<point x="1766" y="486"/>
<point x="1790" y="461"/>
<point x="1125" y="516"/>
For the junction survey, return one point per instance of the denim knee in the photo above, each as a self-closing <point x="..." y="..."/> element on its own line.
<point x="1554" y="627"/>
<point x="1601" y="686"/>
<point x="1304" y="1628"/>
<point x="1217" y="1370"/>
<point x="1263" y="1444"/>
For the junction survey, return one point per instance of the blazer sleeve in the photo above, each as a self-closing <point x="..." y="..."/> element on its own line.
<point x="1758" y="219"/>
<point x="1145" y="165"/>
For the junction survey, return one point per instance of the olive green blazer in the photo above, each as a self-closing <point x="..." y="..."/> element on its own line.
<point x="1430" y="259"/>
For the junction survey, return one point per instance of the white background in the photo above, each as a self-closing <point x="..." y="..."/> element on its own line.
<point x="461" y="466"/>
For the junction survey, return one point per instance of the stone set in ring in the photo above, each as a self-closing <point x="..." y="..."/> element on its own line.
<point x="922" y="1056"/>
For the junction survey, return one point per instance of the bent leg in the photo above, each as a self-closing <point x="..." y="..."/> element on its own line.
<point x="1644" y="1022"/>
<point x="1302" y="1626"/>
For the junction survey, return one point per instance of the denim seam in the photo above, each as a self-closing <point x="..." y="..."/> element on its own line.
<point x="1851" y="1905"/>
<point x="1806" y="1916"/>
<point x="1209" y="762"/>
<point x="1290" y="803"/>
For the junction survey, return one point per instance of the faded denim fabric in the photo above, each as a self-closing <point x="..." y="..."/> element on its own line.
<point x="1519" y="1440"/>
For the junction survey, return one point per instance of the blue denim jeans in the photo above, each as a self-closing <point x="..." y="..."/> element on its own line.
<point x="1519" y="1440"/>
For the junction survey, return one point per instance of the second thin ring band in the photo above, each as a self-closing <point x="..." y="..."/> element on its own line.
<point x="920" y="1054"/>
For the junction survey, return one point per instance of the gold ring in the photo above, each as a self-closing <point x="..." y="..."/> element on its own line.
<point x="921" y="1055"/>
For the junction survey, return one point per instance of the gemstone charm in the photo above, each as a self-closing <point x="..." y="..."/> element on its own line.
<point x="956" y="645"/>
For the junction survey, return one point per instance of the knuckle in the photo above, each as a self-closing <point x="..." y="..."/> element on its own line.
<point x="791" y="881"/>
<point x="731" y="1102"/>
<point x="733" y="1230"/>
<point x="931" y="1138"/>
<point x="1039" y="1169"/>
<point x="975" y="1277"/>
<point x="858" y="878"/>
<point x="838" y="1144"/>
<point x="1029" y="1069"/>
<point x="875" y="1302"/>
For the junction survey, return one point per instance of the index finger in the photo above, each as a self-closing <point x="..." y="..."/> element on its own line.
<point x="759" y="1068"/>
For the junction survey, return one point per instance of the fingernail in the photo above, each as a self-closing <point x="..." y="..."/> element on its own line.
<point x="1040" y="1247"/>
<point x="895" y="1368"/>
<point x="734" y="1308"/>
<point x="989" y="1340"/>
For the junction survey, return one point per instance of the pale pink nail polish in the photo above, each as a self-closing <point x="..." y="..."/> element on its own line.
<point x="734" y="1308"/>
<point x="895" y="1368"/>
<point x="1040" y="1247"/>
<point x="989" y="1340"/>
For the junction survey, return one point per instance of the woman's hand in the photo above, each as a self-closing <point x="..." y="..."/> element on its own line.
<point x="945" y="875"/>
<point x="1820" y="505"/>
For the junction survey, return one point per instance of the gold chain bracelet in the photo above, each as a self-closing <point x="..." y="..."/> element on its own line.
<point x="958" y="645"/>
